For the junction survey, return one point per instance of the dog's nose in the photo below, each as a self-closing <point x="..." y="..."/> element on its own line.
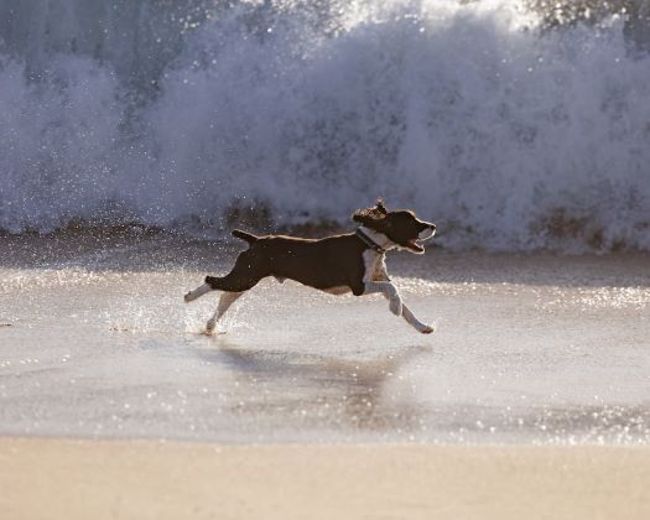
<point x="427" y="232"/>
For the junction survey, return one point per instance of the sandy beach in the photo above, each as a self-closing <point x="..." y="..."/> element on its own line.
<point x="51" y="479"/>
<point x="135" y="136"/>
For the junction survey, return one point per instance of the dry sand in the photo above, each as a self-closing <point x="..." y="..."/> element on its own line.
<point x="67" y="479"/>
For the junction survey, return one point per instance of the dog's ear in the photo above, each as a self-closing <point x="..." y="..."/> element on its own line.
<point x="370" y="216"/>
<point x="379" y="205"/>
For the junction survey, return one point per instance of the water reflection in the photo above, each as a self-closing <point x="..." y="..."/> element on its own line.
<point x="320" y="391"/>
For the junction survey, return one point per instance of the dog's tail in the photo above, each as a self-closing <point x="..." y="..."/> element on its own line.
<point x="249" y="237"/>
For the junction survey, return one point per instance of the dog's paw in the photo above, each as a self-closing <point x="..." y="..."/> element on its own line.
<point x="188" y="297"/>
<point x="427" y="329"/>
<point x="209" y="327"/>
<point x="395" y="306"/>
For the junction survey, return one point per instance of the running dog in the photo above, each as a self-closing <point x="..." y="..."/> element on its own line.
<point x="353" y="262"/>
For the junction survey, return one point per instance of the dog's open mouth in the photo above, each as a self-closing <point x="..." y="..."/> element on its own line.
<point x="414" y="245"/>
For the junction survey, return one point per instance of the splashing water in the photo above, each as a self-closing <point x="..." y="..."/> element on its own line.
<point x="511" y="132"/>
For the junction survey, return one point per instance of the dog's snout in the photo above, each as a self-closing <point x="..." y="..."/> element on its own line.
<point x="424" y="225"/>
<point x="428" y="231"/>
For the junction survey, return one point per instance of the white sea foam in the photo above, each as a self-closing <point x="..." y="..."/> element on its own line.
<point x="508" y="135"/>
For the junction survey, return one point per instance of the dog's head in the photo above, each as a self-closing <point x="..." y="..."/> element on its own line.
<point x="401" y="226"/>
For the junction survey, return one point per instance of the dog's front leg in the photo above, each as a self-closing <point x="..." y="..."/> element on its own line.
<point x="389" y="291"/>
<point x="414" y="322"/>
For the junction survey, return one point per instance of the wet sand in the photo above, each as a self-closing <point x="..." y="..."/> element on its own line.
<point x="528" y="348"/>
<point x="76" y="480"/>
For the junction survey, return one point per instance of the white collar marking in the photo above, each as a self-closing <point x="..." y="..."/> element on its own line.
<point x="378" y="238"/>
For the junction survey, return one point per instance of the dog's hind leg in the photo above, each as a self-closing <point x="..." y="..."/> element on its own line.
<point x="197" y="293"/>
<point x="226" y="300"/>
<point x="248" y="270"/>
<point x="244" y="275"/>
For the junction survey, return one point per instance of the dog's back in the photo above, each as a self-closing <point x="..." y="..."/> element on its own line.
<point x="339" y="259"/>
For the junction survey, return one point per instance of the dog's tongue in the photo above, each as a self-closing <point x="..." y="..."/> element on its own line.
<point x="413" y="244"/>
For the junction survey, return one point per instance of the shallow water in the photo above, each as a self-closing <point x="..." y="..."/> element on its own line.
<point x="97" y="342"/>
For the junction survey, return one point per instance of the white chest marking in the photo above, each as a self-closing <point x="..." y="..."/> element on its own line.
<point x="375" y="267"/>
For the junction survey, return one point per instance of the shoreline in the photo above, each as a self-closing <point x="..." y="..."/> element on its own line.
<point x="77" y="479"/>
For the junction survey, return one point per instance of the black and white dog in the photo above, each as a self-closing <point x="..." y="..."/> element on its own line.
<point x="336" y="264"/>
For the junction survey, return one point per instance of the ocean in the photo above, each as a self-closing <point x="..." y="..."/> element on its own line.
<point x="516" y="126"/>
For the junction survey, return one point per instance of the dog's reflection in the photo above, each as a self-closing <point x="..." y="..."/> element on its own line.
<point x="323" y="390"/>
